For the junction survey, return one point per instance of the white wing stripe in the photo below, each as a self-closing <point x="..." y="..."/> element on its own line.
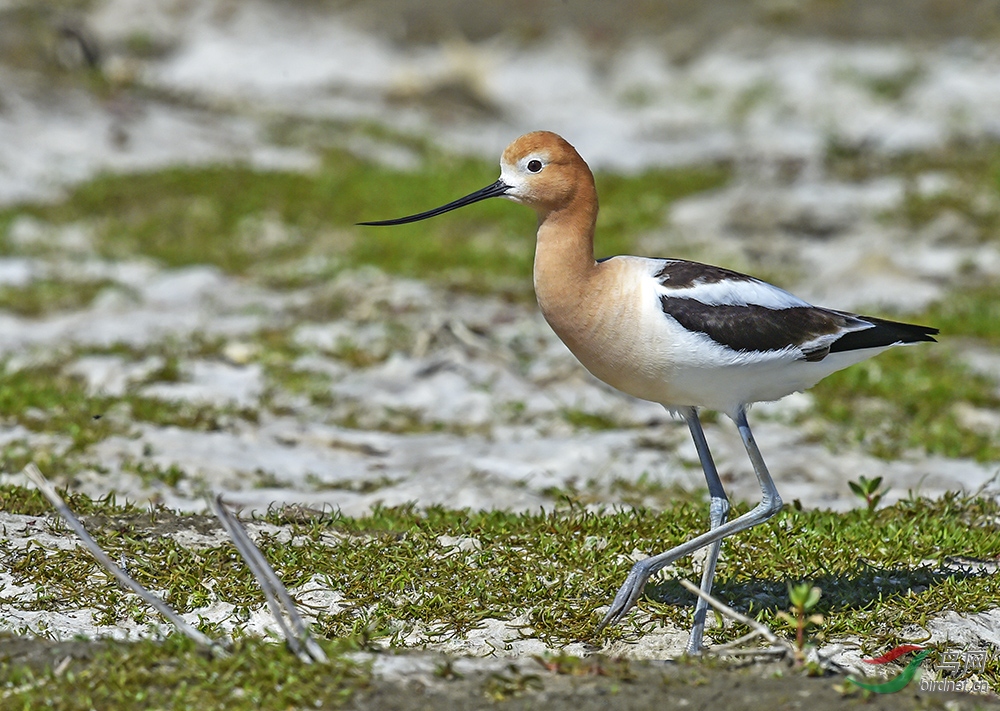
<point x="735" y="293"/>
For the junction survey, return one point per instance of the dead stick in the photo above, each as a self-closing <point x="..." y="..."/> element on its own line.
<point x="302" y="645"/>
<point x="36" y="477"/>
<point x="729" y="612"/>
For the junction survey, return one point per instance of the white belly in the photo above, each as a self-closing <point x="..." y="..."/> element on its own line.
<point x="678" y="376"/>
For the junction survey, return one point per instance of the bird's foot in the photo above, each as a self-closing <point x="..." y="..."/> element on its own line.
<point x="628" y="594"/>
<point x="694" y="645"/>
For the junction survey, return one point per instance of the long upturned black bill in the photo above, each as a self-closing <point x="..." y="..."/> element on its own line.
<point x="496" y="190"/>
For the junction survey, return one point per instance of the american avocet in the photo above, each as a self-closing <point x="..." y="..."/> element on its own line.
<point x="683" y="334"/>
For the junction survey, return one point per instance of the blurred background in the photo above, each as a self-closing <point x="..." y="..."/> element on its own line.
<point x="186" y="304"/>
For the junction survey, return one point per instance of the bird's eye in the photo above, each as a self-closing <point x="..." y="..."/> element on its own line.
<point x="534" y="166"/>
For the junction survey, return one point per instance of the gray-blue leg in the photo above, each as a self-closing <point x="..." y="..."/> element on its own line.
<point x="718" y="511"/>
<point x="770" y="504"/>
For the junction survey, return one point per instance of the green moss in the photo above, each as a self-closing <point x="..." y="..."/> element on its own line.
<point x="31" y="502"/>
<point x="187" y="415"/>
<point x="277" y="353"/>
<point x="588" y="420"/>
<point x="174" y="674"/>
<point x="551" y="558"/>
<point x="44" y="296"/>
<point x="150" y="472"/>
<point x="972" y="311"/>
<point x="45" y="398"/>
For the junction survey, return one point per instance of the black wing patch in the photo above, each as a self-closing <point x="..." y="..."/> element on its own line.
<point x="756" y="328"/>
<point x="681" y="274"/>
<point x="759" y="328"/>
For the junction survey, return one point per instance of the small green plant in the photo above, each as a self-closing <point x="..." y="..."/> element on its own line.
<point x="869" y="490"/>
<point x="803" y="598"/>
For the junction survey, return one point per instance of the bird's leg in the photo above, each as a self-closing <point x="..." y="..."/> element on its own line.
<point x="718" y="511"/>
<point x="770" y="504"/>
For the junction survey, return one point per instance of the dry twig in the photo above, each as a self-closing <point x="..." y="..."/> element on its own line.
<point x="36" y="477"/>
<point x="301" y="644"/>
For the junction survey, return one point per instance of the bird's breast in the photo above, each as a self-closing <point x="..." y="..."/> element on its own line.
<point x="613" y="325"/>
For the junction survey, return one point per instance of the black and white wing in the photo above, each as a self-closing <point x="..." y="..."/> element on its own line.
<point x="747" y="315"/>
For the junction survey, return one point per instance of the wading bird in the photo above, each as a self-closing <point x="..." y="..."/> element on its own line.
<point x="680" y="333"/>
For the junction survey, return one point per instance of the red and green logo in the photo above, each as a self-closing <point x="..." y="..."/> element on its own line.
<point x="899" y="682"/>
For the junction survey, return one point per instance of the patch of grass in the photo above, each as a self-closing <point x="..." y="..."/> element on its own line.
<point x="187" y="415"/>
<point x="44" y="296"/>
<point x="315" y="387"/>
<point x="150" y="472"/>
<point x="358" y="486"/>
<point x="899" y="571"/>
<point x="911" y="398"/>
<point x="550" y="558"/>
<point x="632" y="204"/>
<point x="31" y="502"/>
<point x="879" y="571"/>
<point x="172" y="350"/>
<point x="906" y="399"/>
<point x="44" y="398"/>
<point x="972" y="311"/>
<point x="973" y="192"/>
<point x="651" y="491"/>
<point x="584" y="419"/>
<point x="250" y="222"/>
<point x="177" y="675"/>
<point x="981" y="216"/>
<point x="889" y="87"/>
<point x="277" y="353"/>
<point x="646" y="491"/>
<point x="17" y="454"/>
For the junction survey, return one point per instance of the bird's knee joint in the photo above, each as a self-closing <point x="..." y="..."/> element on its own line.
<point x="719" y="506"/>
<point x="773" y="505"/>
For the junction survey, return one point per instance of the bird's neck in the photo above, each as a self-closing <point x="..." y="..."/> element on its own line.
<point x="564" y="261"/>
